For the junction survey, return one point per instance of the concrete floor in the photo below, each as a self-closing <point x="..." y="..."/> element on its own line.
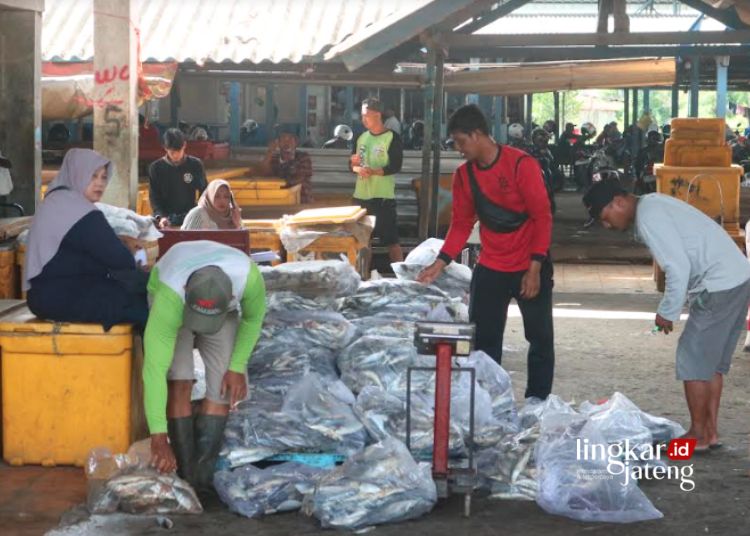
<point x="597" y="353"/>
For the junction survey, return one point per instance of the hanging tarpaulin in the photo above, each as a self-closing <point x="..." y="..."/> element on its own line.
<point x="67" y="88"/>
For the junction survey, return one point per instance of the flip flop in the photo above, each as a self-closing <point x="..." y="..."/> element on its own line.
<point x="717" y="445"/>
<point x="702" y="449"/>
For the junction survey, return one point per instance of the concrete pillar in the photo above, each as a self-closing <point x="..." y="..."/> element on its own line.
<point x="115" y="91"/>
<point x="437" y="132"/>
<point x="234" y="113"/>
<point x="270" y="119"/>
<point x="676" y="100"/>
<point x="646" y="100"/>
<point x="21" y="103"/>
<point x="529" y="113"/>
<point x="695" y="79"/>
<point x="402" y="107"/>
<point x="425" y="199"/>
<point x="722" y="72"/>
<point x="303" y="113"/>
<point x="499" y="118"/>
<point x="473" y="98"/>
<point x="349" y="111"/>
<point x="626" y="111"/>
<point x="558" y="126"/>
<point x="636" y="114"/>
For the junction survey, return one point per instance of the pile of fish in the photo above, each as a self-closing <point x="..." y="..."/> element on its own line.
<point x="329" y="375"/>
<point x="381" y="484"/>
<point x="126" y="483"/>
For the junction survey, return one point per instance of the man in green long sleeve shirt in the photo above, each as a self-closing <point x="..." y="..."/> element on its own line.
<point x="209" y="296"/>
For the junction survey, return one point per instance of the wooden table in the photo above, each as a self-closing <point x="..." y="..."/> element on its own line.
<point x="12" y="227"/>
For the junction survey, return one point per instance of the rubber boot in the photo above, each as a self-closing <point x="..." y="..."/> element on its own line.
<point x="209" y="436"/>
<point x="181" y="433"/>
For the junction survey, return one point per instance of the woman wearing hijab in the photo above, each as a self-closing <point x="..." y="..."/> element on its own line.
<point x="77" y="269"/>
<point x="216" y="209"/>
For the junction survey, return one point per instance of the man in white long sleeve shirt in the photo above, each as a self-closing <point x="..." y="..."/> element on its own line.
<point x="702" y="263"/>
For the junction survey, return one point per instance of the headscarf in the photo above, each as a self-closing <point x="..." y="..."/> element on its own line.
<point x="63" y="206"/>
<point x="232" y="218"/>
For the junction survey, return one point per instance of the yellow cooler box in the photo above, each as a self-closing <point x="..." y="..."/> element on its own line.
<point x="66" y="388"/>
<point x="702" y="131"/>
<point x="8" y="279"/>
<point x="695" y="155"/>
<point x="710" y="187"/>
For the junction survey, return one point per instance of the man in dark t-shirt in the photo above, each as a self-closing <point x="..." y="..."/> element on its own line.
<point x="176" y="180"/>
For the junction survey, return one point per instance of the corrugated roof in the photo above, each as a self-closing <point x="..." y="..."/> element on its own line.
<point x="546" y="24"/>
<point x="221" y="30"/>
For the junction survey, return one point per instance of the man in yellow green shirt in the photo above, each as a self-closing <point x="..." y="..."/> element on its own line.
<point x="208" y="296"/>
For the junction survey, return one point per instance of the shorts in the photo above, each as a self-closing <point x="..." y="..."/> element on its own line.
<point x="709" y="339"/>
<point x="216" y="352"/>
<point x="386" y="224"/>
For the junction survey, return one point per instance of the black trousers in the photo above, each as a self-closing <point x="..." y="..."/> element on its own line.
<point x="491" y="292"/>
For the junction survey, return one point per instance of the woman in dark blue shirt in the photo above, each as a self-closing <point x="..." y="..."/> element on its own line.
<point x="77" y="269"/>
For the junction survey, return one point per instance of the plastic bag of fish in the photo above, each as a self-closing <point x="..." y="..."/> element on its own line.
<point x="313" y="278"/>
<point x="319" y="328"/>
<point x="315" y="417"/>
<point x="378" y="361"/>
<point x="385" y="327"/>
<point x="398" y="299"/>
<point x="384" y="416"/>
<point x="285" y="300"/>
<point x="125" y="483"/>
<point x="508" y="469"/>
<point x="455" y="279"/>
<point x="275" y="365"/>
<point x="381" y="484"/>
<point x="619" y="419"/>
<point x="253" y="492"/>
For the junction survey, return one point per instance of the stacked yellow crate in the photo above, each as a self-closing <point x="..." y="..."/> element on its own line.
<point x="698" y="169"/>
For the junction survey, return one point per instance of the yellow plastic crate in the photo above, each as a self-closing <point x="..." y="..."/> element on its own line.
<point x="226" y="173"/>
<point x="256" y="196"/>
<point x="706" y="131"/>
<point x="709" y="186"/>
<point x="66" y="388"/>
<point x="696" y="155"/>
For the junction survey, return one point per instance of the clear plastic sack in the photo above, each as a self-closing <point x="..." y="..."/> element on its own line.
<point x="400" y="299"/>
<point x="384" y="416"/>
<point x="313" y="278"/>
<point x="313" y="418"/>
<point x="285" y="300"/>
<point x="582" y="487"/>
<point x="508" y="469"/>
<point x="126" y="483"/>
<point x="625" y="420"/>
<point x="385" y="327"/>
<point x="382" y="484"/>
<point x="279" y="363"/>
<point x="315" y="328"/>
<point x="253" y="492"/>
<point x="377" y="361"/>
<point x="455" y="279"/>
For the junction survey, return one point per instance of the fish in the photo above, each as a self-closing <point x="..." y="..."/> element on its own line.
<point x="327" y="329"/>
<point x="144" y="491"/>
<point x="381" y="484"/>
<point x="285" y="300"/>
<point x="253" y="492"/>
<point x="312" y="279"/>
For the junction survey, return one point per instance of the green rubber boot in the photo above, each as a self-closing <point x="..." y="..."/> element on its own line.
<point x="209" y="436"/>
<point x="182" y="440"/>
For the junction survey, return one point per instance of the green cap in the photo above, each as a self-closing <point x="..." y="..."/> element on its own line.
<point x="207" y="296"/>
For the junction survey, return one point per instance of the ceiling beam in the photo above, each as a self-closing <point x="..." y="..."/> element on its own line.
<point x="377" y="39"/>
<point x="539" y="54"/>
<point x="491" y="15"/>
<point x="727" y="17"/>
<point x="382" y="80"/>
<point x="459" y="42"/>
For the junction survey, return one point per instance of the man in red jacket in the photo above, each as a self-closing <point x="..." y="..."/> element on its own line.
<point x="503" y="188"/>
